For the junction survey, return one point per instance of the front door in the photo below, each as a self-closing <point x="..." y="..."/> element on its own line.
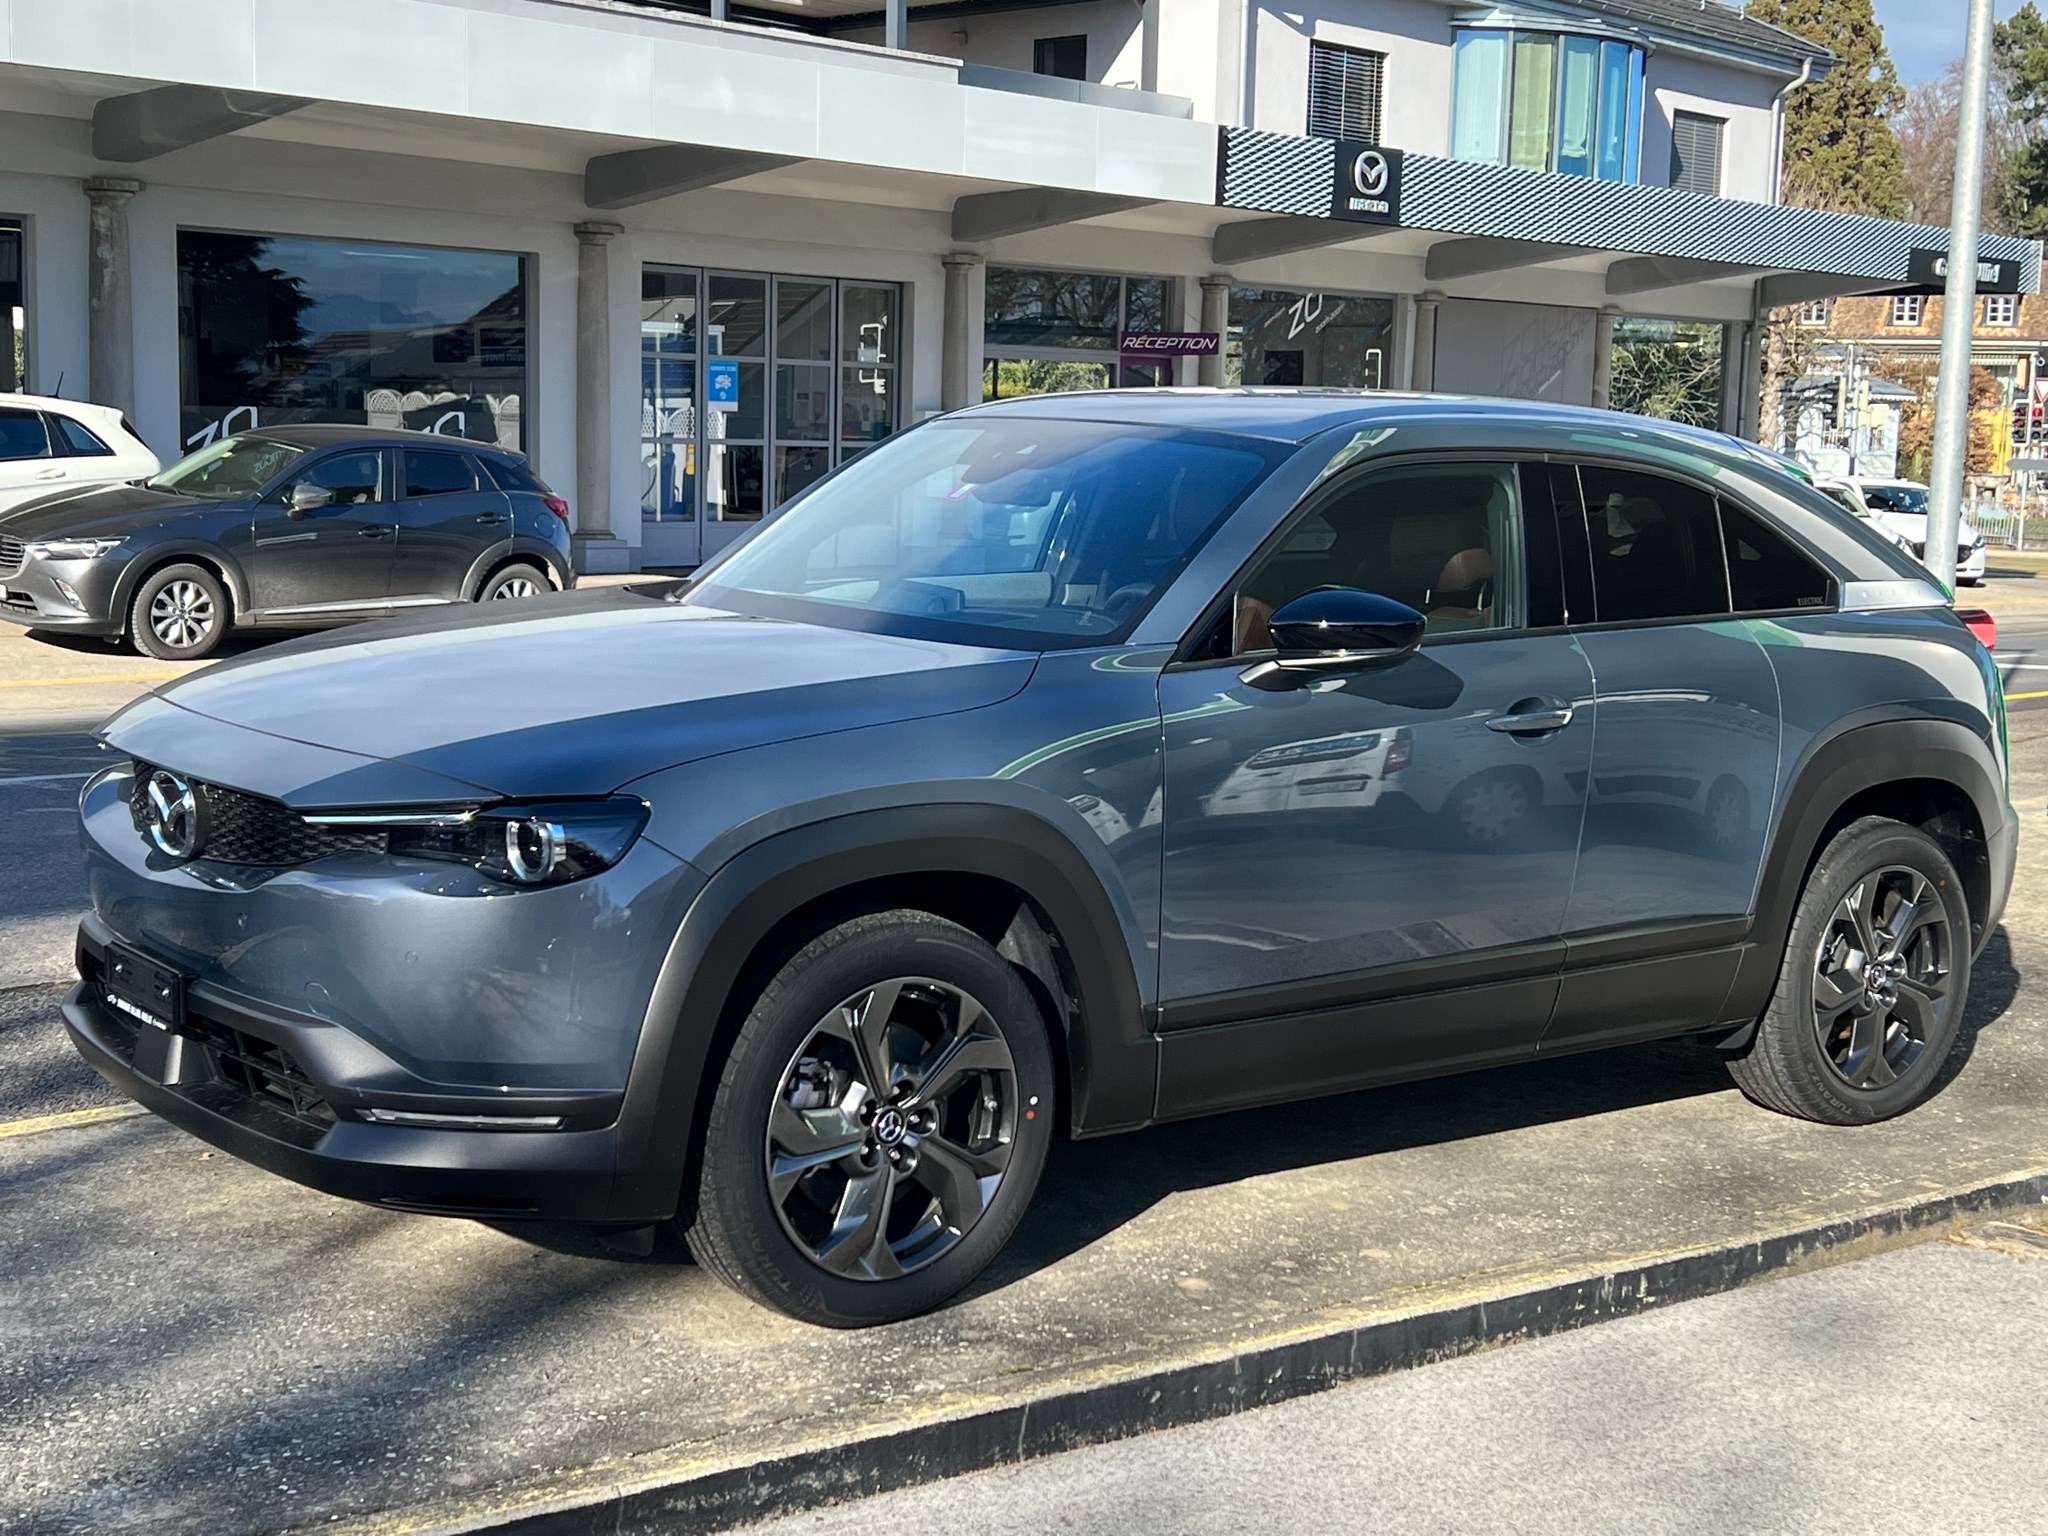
<point x="336" y="557"/>
<point x="1370" y="873"/>
<point x="449" y="517"/>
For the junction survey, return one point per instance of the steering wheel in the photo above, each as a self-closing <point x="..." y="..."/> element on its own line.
<point x="900" y="594"/>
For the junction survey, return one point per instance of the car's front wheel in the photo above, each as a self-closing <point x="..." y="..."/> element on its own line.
<point x="1871" y="990"/>
<point x="879" y="1125"/>
<point x="180" y="613"/>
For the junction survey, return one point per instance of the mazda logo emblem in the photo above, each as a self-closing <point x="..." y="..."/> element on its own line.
<point x="175" y="816"/>
<point x="1369" y="173"/>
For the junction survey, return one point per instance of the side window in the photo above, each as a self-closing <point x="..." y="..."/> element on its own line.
<point x="1766" y="572"/>
<point x="23" y="436"/>
<point x="1656" y="547"/>
<point x="1441" y="538"/>
<point x="352" y="477"/>
<point x="77" y="441"/>
<point x="437" y="474"/>
<point x="514" y="475"/>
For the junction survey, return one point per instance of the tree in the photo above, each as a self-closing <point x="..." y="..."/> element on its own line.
<point x="1990" y="438"/>
<point x="1927" y="126"/>
<point x="1670" y="371"/>
<point x="2019" y="48"/>
<point x="1840" y="151"/>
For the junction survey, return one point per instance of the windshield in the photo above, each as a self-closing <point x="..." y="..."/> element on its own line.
<point x="995" y="530"/>
<point x="227" y="470"/>
<point x="1896" y="498"/>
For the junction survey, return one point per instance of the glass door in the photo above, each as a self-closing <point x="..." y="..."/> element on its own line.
<point x="13" y="307"/>
<point x="668" y="416"/>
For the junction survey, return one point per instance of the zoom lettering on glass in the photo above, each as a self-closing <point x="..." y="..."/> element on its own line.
<point x="282" y="329"/>
<point x="1366" y="183"/>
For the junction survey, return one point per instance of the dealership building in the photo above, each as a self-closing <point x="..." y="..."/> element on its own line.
<point x="690" y="256"/>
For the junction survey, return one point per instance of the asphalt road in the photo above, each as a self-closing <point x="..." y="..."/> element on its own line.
<point x="1907" y="1393"/>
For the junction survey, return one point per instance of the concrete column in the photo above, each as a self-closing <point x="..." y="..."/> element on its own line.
<point x="959" y="366"/>
<point x="1749" y="400"/>
<point x="1734" y="344"/>
<point x="1422" y="368"/>
<point x="896" y="24"/>
<point x="1603" y="356"/>
<point x="110" y="294"/>
<point x="596" y="549"/>
<point x="721" y="10"/>
<point x="1216" y="321"/>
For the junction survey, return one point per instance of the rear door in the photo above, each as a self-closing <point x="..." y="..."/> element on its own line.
<point x="28" y="467"/>
<point x="336" y="557"/>
<point x="1685" y="757"/>
<point x="449" y="515"/>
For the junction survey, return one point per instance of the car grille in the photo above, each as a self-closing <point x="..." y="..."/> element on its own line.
<point x="261" y="1071"/>
<point x="1963" y="553"/>
<point x="248" y="829"/>
<point x="12" y="555"/>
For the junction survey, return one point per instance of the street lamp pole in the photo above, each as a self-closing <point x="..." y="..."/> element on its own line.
<point x="1959" y="306"/>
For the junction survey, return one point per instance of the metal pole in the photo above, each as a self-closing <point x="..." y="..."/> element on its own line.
<point x="1959" y="306"/>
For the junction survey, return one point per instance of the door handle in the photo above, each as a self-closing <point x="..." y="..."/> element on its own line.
<point x="374" y="531"/>
<point x="1532" y="722"/>
<point x="490" y="518"/>
<point x="54" y="473"/>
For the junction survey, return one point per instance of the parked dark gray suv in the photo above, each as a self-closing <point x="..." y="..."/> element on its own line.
<point x="287" y="527"/>
<point x="1058" y="767"/>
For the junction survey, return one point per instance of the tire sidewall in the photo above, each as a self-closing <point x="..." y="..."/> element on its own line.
<point x="1847" y="861"/>
<point x="145" y="638"/>
<point x="498" y="578"/>
<point x="735" y="1185"/>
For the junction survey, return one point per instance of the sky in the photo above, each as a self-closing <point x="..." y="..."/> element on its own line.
<point x="1924" y="35"/>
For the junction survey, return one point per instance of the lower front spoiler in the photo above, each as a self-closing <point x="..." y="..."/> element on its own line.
<point x="569" y="1176"/>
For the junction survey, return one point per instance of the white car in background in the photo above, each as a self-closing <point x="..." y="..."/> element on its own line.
<point x="1900" y="508"/>
<point x="48" y="446"/>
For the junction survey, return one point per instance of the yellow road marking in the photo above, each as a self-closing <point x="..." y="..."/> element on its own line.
<point x="86" y="682"/>
<point x="2041" y="693"/>
<point x="69" y="1120"/>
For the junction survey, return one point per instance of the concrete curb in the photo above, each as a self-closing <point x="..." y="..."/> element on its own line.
<point x="696" y="1489"/>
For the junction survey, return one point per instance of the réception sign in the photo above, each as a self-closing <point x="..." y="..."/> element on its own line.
<point x="1168" y="343"/>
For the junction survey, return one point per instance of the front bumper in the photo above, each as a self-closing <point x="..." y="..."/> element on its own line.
<point x="32" y="596"/>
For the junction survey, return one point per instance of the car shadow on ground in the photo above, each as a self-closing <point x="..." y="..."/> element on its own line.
<point x="1091" y="1188"/>
<point x="238" y="642"/>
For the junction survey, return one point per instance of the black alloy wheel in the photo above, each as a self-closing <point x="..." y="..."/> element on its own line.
<point x="1872" y="986"/>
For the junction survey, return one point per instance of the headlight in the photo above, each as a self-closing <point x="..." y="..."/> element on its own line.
<point x="70" y="549"/>
<point x="547" y="843"/>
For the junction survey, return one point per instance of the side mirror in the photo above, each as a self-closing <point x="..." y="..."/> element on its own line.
<point x="1337" y="629"/>
<point x="307" y="497"/>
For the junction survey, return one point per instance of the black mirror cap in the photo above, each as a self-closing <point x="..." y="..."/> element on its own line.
<point x="1330" y="622"/>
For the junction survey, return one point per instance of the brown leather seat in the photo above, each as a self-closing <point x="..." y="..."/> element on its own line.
<point x="1463" y="595"/>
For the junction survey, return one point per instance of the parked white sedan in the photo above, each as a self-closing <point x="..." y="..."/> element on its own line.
<point x="1900" y="507"/>
<point x="51" y="445"/>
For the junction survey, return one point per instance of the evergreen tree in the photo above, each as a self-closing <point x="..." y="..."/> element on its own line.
<point x="1840" y="152"/>
<point x="2019" y="45"/>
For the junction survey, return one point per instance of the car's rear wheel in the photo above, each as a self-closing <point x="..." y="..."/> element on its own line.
<point x="512" y="583"/>
<point x="1871" y="990"/>
<point x="179" y="613"/>
<point x="879" y="1125"/>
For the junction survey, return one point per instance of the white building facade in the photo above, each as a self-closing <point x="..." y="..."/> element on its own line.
<point x="690" y="262"/>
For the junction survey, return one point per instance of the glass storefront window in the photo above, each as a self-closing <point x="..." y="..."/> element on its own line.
<point x="1547" y="101"/>
<point x="668" y="394"/>
<point x="1047" y="332"/>
<point x="1339" y="341"/>
<point x="13" y="306"/>
<point x="275" y="329"/>
<point x="809" y="352"/>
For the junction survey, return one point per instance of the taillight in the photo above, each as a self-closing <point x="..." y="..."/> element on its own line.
<point x="1980" y="624"/>
<point x="557" y="506"/>
<point x="1400" y="751"/>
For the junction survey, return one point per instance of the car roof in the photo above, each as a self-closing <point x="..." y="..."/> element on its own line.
<point x="1294" y="415"/>
<point x="324" y="434"/>
<point x="57" y="404"/>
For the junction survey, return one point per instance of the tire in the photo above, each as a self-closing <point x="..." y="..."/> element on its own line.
<point x="179" y="613"/>
<point x="1867" y="1049"/>
<point x="796" y="1147"/>
<point x="514" y="582"/>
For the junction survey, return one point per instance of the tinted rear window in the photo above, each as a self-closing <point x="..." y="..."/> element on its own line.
<point x="513" y="475"/>
<point x="437" y="474"/>
<point x="1656" y="547"/>
<point x="81" y="443"/>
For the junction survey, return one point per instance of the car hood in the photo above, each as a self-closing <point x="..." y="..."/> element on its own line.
<point x="568" y="695"/>
<point x="102" y="511"/>
<point x="1913" y="526"/>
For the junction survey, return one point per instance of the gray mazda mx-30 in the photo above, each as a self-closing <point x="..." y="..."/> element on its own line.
<point x="1058" y="767"/>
